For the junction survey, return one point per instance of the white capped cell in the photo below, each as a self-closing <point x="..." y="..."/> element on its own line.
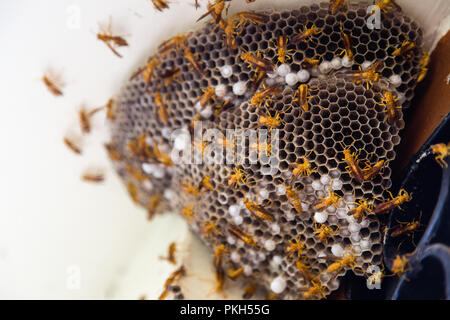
<point x="239" y="88"/>
<point x="341" y="213"/>
<point x="291" y="79"/>
<point x="277" y="260"/>
<point x="321" y="217"/>
<point x="147" y="184"/>
<point x="261" y="256"/>
<point x="283" y="70"/>
<point x="278" y="285"/>
<point x="317" y="185"/>
<point x="234" y="210"/>
<point x="354" y="227"/>
<point x="303" y="76"/>
<point x="181" y="141"/>
<point x="365" y="244"/>
<point x="366" y="65"/>
<point x="364" y="223"/>
<point x="238" y="220"/>
<point x="221" y="90"/>
<point x="335" y="174"/>
<point x="159" y="173"/>
<point x="271" y="82"/>
<point x="290" y="216"/>
<point x="281" y="190"/>
<point x="206" y="112"/>
<point x="320" y="194"/>
<point x="226" y="71"/>
<point x="309" y="189"/>
<point x="325" y="67"/>
<point x="269" y="245"/>
<point x="275" y="228"/>
<point x="331" y="209"/>
<point x="346" y="62"/>
<point x="248" y="270"/>
<point x="337" y="250"/>
<point x="198" y="107"/>
<point x="401" y="98"/>
<point x="272" y="75"/>
<point x="305" y="206"/>
<point x="336" y="63"/>
<point x="235" y="257"/>
<point x="148" y="168"/>
<point x="325" y="180"/>
<point x="169" y="194"/>
<point x="355" y="238"/>
<point x="395" y="80"/>
<point x="336" y="185"/>
<point x="315" y="72"/>
<point x="231" y="240"/>
<point x="264" y="194"/>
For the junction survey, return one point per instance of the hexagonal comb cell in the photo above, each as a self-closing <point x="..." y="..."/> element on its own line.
<point x="291" y="233"/>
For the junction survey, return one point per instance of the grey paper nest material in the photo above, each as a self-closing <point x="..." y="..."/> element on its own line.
<point x="341" y="114"/>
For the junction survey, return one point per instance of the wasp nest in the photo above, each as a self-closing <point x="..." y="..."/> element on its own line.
<point x="341" y="114"/>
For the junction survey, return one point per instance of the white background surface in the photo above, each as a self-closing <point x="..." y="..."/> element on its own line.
<point x="50" y="221"/>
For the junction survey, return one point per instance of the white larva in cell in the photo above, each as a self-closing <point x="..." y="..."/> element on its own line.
<point x="148" y="168"/>
<point x="235" y="257"/>
<point x="337" y="250"/>
<point x="198" y="107"/>
<point x="226" y="71"/>
<point x="206" y="112"/>
<point x="341" y="213"/>
<point x="239" y="88"/>
<point x="233" y="210"/>
<point x="356" y="250"/>
<point x="364" y="223"/>
<point x="269" y="245"/>
<point x="279" y="80"/>
<point x="325" y="67"/>
<point x="305" y="206"/>
<point x="277" y="260"/>
<point x="346" y="62"/>
<point x="307" y="180"/>
<point x="317" y="185"/>
<point x="336" y="185"/>
<point x="401" y="98"/>
<point x="291" y="79"/>
<point x="355" y="238"/>
<point x="366" y="65"/>
<point x="231" y="240"/>
<point x="336" y="63"/>
<point x="281" y="190"/>
<point x="348" y="198"/>
<point x="272" y="75"/>
<point x="221" y="90"/>
<point x="261" y="256"/>
<point x="335" y="174"/>
<point x="303" y="76"/>
<point x="264" y="194"/>
<point x="169" y="194"/>
<point x="270" y="82"/>
<point x="166" y="132"/>
<point x="331" y="209"/>
<point x="181" y="141"/>
<point x="320" y="194"/>
<point x="309" y="189"/>
<point x="237" y="220"/>
<point x="159" y="173"/>
<point x="283" y="70"/>
<point x="148" y="184"/>
<point x="275" y="228"/>
<point x="395" y="80"/>
<point x="325" y="180"/>
<point x="278" y="285"/>
<point x="311" y="199"/>
<point x="321" y="217"/>
<point x="354" y="227"/>
<point x="365" y="244"/>
<point x="248" y="270"/>
<point x="290" y="216"/>
<point x="315" y="72"/>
